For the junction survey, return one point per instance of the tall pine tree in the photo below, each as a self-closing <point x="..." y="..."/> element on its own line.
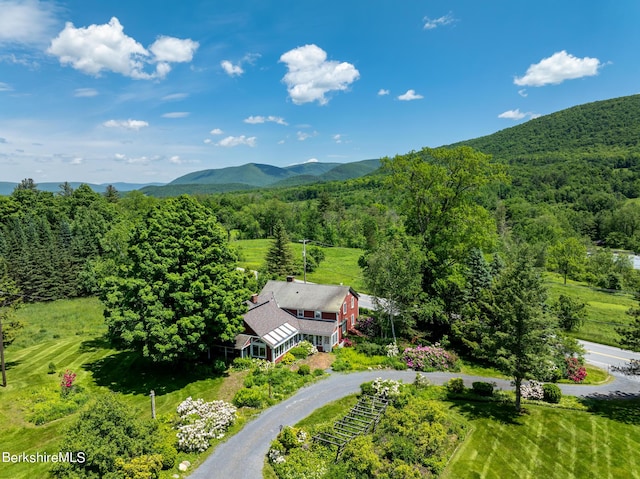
<point x="279" y="258"/>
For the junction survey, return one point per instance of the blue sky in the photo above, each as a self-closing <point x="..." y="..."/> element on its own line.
<point x="143" y="91"/>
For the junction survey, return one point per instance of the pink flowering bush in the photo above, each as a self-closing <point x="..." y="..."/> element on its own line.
<point x="430" y="358"/>
<point x="66" y="384"/>
<point x="200" y="421"/>
<point x="576" y="372"/>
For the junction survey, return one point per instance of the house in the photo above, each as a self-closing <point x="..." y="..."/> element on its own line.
<point x="287" y="312"/>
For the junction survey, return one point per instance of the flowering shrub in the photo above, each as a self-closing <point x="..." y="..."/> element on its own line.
<point x="367" y="326"/>
<point x="421" y="381"/>
<point x="392" y="350"/>
<point x="575" y="371"/>
<point x="201" y="421"/>
<point x="532" y="390"/>
<point x="386" y="388"/>
<point x="275" y="456"/>
<point x="66" y="385"/>
<point x="310" y="348"/>
<point x="347" y="343"/>
<point x="428" y="358"/>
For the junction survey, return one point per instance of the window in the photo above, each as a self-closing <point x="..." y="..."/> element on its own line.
<point x="352" y="320"/>
<point x="317" y="315"/>
<point x="353" y="302"/>
<point x="259" y="350"/>
<point x="344" y="327"/>
<point x="301" y="313"/>
<point x="344" y="308"/>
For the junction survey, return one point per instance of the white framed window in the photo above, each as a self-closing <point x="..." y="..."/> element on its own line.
<point x="259" y="350"/>
<point x="300" y="313"/>
<point x="353" y="302"/>
<point x="344" y="308"/>
<point x="353" y="318"/>
<point x="317" y="314"/>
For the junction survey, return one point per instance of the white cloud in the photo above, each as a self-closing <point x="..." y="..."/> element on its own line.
<point x="140" y="160"/>
<point x="383" y="92"/>
<point x="237" y="70"/>
<point x="106" y="47"/>
<point x="176" y="114"/>
<point x="216" y="131"/>
<point x="231" y="141"/>
<point x="28" y="22"/>
<point x="303" y="136"/>
<point x="175" y="97"/>
<point x="5" y="87"/>
<point x="557" y="68"/>
<point x="523" y="93"/>
<point x="207" y="141"/>
<point x="76" y="161"/>
<point x="337" y="138"/>
<point x="431" y="23"/>
<point x="512" y="114"/>
<point x="410" y="95"/>
<point x="174" y="50"/>
<point x="310" y="76"/>
<point x="254" y="120"/>
<point x="85" y="92"/>
<point x="126" y="124"/>
<point x="517" y="114"/>
<point x="231" y="69"/>
<point x="311" y="160"/>
<point x="175" y="160"/>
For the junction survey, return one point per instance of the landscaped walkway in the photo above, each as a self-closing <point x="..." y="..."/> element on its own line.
<point x="242" y="455"/>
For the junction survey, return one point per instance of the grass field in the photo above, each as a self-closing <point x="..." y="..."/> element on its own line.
<point x="547" y="442"/>
<point x="69" y="334"/>
<point x="605" y="310"/>
<point x="339" y="267"/>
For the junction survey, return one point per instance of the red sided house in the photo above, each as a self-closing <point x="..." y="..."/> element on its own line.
<point x="287" y="312"/>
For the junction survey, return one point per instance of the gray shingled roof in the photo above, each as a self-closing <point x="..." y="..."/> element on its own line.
<point x="270" y="322"/>
<point x="315" y="326"/>
<point x="308" y="296"/>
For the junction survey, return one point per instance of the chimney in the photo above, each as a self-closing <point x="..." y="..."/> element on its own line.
<point x="254" y="298"/>
<point x="290" y="279"/>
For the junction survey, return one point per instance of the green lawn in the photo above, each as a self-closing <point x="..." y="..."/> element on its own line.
<point x="605" y="310"/>
<point x="547" y="442"/>
<point x="69" y="334"/>
<point x="339" y="267"/>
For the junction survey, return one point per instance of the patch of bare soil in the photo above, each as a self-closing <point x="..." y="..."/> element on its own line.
<point x="319" y="361"/>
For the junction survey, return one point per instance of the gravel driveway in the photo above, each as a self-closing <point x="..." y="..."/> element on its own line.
<point x="242" y="455"/>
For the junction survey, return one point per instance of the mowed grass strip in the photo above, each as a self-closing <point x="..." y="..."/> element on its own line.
<point x="545" y="442"/>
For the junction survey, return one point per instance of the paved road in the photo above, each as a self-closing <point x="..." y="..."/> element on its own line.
<point x="242" y="456"/>
<point x="607" y="356"/>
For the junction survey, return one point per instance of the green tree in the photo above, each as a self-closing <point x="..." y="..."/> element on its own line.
<point x="107" y="433"/>
<point x="279" y="258"/>
<point x="478" y="274"/>
<point x="10" y="299"/>
<point x="571" y="312"/>
<point x="392" y="276"/>
<point x="567" y="257"/>
<point x="179" y="291"/>
<point x="519" y="333"/>
<point x="630" y="334"/>
<point x="438" y="191"/>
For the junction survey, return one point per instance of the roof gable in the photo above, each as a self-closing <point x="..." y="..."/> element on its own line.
<point x="308" y="296"/>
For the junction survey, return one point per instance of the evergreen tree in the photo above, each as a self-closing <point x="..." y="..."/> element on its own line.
<point x="478" y="274"/>
<point x="111" y="194"/>
<point x="279" y="258"/>
<point x="518" y="337"/>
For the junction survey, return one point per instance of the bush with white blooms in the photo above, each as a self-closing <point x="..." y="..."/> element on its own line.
<point x="200" y="421"/>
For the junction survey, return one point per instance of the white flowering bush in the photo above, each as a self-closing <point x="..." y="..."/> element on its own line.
<point x="200" y="421"/>
<point x="275" y="456"/>
<point x="532" y="390"/>
<point x="262" y="365"/>
<point x="386" y="388"/>
<point x="392" y="350"/>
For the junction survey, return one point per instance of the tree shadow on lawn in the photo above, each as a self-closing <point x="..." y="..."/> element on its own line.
<point x="496" y="411"/>
<point x="619" y="406"/>
<point x="129" y="373"/>
<point x="11" y="364"/>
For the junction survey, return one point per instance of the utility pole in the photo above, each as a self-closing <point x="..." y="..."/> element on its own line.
<point x="304" y="256"/>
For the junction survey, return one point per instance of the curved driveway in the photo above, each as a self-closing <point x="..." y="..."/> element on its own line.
<point x="242" y="455"/>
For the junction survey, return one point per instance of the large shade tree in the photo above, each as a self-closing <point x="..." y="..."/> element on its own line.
<point x="179" y="290"/>
<point x="439" y="192"/>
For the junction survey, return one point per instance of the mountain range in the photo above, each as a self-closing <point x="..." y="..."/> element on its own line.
<point x="603" y="129"/>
